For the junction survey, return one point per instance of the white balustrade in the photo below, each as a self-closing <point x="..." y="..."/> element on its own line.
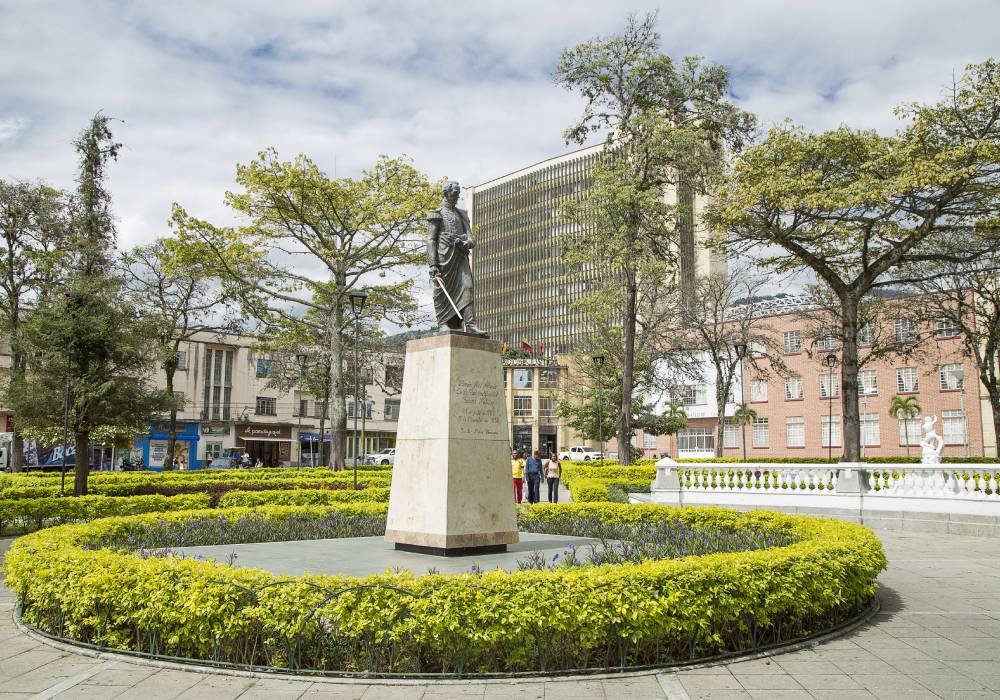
<point x="965" y="488"/>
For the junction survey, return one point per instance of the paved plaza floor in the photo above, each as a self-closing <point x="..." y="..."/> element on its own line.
<point x="363" y="556"/>
<point x="938" y="636"/>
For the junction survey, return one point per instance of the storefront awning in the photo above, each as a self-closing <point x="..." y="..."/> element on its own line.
<point x="264" y="439"/>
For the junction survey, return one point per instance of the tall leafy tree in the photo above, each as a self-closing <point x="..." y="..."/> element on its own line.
<point x="88" y="346"/>
<point x="33" y="218"/>
<point x="309" y="241"/>
<point x="666" y="127"/>
<point x="724" y="312"/>
<point x="855" y="206"/>
<point x="180" y="298"/>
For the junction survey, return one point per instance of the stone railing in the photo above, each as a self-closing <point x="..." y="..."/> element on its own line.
<point x="972" y="489"/>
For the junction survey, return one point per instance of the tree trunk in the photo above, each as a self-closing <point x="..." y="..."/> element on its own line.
<point x="338" y="412"/>
<point x="322" y="428"/>
<point x="168" y="463"/>
<point x="628" y="370"/>
<point x="994" y="392"/>
<point x="850" y="421"/>
<point x="81" y="470"/>
<point x="906" y="434"/>
<point x="721" y="396"/>
<point x="16" y="451"/>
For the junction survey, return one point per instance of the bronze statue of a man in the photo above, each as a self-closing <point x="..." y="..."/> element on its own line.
<point x="449" y="240"/>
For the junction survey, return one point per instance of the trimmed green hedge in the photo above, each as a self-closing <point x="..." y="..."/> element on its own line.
<point x="302" y="497"/>
<point x="39" y="512"/>
<point x="655" y="612"/>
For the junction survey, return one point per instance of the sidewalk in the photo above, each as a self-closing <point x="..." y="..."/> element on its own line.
<point x="938" y="636"/>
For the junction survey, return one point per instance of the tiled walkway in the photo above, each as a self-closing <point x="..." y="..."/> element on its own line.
<point x="938" y="636"/>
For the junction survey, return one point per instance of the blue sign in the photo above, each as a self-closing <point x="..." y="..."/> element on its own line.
<point x="313" y="437"/>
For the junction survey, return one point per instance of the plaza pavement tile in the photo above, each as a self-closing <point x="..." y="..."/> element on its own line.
<point x="937" y="636"/>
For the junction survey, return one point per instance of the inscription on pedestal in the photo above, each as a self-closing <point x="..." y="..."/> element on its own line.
<point x="478" y="409"/>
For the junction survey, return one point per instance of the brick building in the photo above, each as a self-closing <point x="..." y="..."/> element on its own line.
<point x="799" y="411"/>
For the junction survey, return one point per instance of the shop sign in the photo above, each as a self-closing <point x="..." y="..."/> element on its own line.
<point x="264" y="432"/>
<point x="214" y="429"/>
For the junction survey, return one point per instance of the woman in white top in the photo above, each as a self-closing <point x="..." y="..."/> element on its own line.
<point x="553" y="470"/>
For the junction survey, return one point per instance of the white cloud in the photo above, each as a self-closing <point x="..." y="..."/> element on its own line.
<point x="463" y="88"/>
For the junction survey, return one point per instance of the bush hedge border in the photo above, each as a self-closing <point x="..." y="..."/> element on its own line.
<point x="466" y="623"/>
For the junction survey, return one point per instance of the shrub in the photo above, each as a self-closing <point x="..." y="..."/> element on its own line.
<point x="302" y="497"/>
<point x="596" y="490"/>
<point x="71" y="581"/>
<point x="37" y="512"/>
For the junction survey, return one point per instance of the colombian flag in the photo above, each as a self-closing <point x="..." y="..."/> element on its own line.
<point x="525" y="345"/>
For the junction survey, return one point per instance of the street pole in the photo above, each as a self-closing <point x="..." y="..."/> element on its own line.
<point x="62" y="469"/>
<point x="358" y="298"/>
<point x="743" y="403"/>
<point x="831" y="361"/>
<point x="598" y="361"/>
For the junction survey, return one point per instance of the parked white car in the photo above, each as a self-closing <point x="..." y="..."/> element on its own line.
<point x="580" y="453"/>
<point x="386" y="456"/>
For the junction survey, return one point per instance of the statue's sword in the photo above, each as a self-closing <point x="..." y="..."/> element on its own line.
<point x="437" y="278"/>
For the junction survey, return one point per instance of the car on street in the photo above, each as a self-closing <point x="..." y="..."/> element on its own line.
<point x="580" y="453"/>
<point x="222" y="463"/>
<point x="386" y="456"/>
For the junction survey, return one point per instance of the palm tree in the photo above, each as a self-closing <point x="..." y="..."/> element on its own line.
<point x="674" y="418"/>
<point x="905" y="409"/>
<point x="744" y="416"/>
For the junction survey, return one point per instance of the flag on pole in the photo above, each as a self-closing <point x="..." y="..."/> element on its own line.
<point x="525" y="344"/>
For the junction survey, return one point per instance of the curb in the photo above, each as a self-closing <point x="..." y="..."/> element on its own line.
<point x="206" y="668"/>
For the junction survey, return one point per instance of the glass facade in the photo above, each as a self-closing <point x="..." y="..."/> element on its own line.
<point x="523" y="288"/>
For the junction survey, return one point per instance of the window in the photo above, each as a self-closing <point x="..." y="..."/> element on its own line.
<point x="952" y="377"/>
<point x="906" y="330"/>
<point x="792" y="341"/>
<point x="369" y="374"/>
<point x="522" y="379"/>
<point x="731" y="435"/>
<point x="695" y="440"/>
<point x="694" y="394"/>
<point x="179" y="400"/>
<point x="866" y="336"/>
<point x="758" y="391"/>
<point x="366" y="409"/>
<point x="757" y="349"/>
<point x="522" y="406"/>
<point x="392" y="409"/>
<point x="394" y="376"/>
<point x="953" y="427"/>
<point x="761" y="437"/>
<point x="218" y="390"/>
<point x="830" y="431"/>
<point x="182" y="359"/>
<point x="546" y="407"/>
<point x="909" y="431"/>
<point x="548" y="378"/>
<point x="946" y="328"/>
<point x="648" y="441"/>
<point x="303" y="407"/>
<point x="827" y="340"/>
<point x="503" y="373"/>
<point x="829" y="385"/>
<point x="793" y="389"/>
<point x="870" y="433"/>
<point x="267" y="406"/>
<point x="213" y="450"/>
<point x="264" y="367"/>
<point x="907" y="380"/>
<point x="795" y="427"/>
<point x="867" y="383"/>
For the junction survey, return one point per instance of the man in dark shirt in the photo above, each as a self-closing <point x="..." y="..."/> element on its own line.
<point x="533" y="473"/>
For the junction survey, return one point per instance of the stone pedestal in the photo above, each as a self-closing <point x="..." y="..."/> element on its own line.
<point x="451" y="485"/>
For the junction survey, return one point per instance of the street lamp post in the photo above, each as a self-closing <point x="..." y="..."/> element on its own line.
<point x="958" y="376"/>
<point x="830" y="361"/>
<point x="358" y="297"/>
<point x="598" y="361"/>
<point x="301" y="358"/>
<point x="741" y="351"/>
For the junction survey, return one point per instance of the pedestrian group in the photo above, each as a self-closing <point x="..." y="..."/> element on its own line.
<point x="533" y="470"/>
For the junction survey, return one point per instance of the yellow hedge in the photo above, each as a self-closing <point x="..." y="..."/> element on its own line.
<point x="655" y="612"/>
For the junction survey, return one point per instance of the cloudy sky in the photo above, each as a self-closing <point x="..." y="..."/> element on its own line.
<point x="463" y="88"/>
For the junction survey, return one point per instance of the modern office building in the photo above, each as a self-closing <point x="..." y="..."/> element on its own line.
<point x="524" y="290"/>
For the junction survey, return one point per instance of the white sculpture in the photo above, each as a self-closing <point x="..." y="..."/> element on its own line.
<point x="931" y="444"/>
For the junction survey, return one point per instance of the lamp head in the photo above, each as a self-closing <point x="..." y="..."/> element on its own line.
<point x="301" y="358"/>
<point x="741" y="349"/>
<point x="830" y="360"/>
<point x="358" y="297"/>
<point x="598" y="361"/>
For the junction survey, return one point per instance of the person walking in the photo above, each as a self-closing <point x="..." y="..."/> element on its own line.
<point x="553" y="470"/>
<point x="517" y="471"/>
<point x="533" y="473"/>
